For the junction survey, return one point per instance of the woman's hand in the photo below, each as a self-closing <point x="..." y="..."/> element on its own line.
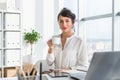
<point x="50" y="45"/>
<point x="49" y="42"/>
<point x="59" y="70"/>
<point x="64" y="70"/>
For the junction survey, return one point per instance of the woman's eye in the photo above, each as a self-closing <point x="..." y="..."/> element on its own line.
<point x="67" y="20"/>
<point x="60" y="21"/>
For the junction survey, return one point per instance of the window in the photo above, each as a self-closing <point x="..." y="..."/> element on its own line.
<point x="98" y="35"/>
<point x="96" y="23"/>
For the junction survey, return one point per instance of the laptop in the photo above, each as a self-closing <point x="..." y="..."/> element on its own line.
<point x="37" y="77"/>
<point x="103" y="66"/>
<point x="78" y="76"/>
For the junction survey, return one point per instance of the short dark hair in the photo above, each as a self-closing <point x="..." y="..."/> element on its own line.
<point x="67" y="13"/>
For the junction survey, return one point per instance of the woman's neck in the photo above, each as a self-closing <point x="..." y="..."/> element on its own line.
<point x="66" y="35"/>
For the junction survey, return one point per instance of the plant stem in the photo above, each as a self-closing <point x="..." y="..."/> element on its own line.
<point x="31" y="48"/>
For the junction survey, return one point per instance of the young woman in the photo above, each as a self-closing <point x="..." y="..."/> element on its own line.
<point x="71" y="53"/>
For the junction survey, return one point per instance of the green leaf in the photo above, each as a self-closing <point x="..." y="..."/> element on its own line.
<point x="31" y="37"/>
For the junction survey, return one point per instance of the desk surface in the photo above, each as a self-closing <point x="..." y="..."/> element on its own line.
<point x="65" y="78"/>
<point x="49" y="78"/>
<point x="59" y="78"/>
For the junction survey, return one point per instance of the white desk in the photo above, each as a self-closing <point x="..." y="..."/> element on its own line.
<point x="49" y="78"/>
<point x="60" y="78"/>
<point x="65" y="78"/>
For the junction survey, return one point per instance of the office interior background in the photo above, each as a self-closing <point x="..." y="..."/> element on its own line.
<point x="97" y="22"/>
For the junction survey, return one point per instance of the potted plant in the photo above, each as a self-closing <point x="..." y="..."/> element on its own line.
<point x="31" y="37"/>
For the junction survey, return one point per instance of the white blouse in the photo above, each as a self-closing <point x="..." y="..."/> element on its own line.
<point x="72" y="56"/>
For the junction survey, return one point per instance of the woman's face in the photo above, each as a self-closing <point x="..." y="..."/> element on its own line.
<point x="65" y="23"/>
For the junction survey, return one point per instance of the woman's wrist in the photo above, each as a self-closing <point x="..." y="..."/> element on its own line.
<point x="50" y="50"/>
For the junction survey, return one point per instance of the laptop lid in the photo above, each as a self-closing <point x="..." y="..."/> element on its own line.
<point x="104" y="66"/>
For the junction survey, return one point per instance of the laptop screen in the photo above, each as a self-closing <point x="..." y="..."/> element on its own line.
<point x="104" y="66"/>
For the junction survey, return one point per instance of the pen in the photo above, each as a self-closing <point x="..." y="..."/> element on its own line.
<point x="40" y="70"/>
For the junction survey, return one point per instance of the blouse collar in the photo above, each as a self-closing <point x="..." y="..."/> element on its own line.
<point x="68" y="37"/>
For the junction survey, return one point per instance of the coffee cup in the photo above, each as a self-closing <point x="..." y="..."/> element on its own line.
<point x="56" y="40"/>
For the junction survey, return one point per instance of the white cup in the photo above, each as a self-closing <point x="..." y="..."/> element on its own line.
<point x="56" y="40"/>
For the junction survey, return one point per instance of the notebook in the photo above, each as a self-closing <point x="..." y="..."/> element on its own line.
<point x="104" y="66"/>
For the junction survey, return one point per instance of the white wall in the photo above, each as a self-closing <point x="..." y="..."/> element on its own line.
<point x="48" y="23"/>
<point x="39" y="14"/>
<point x="39" y="26"/>
<point x="28" y="12"/>
<point x="58" y="6"/>
<point x="28" y="21"/>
